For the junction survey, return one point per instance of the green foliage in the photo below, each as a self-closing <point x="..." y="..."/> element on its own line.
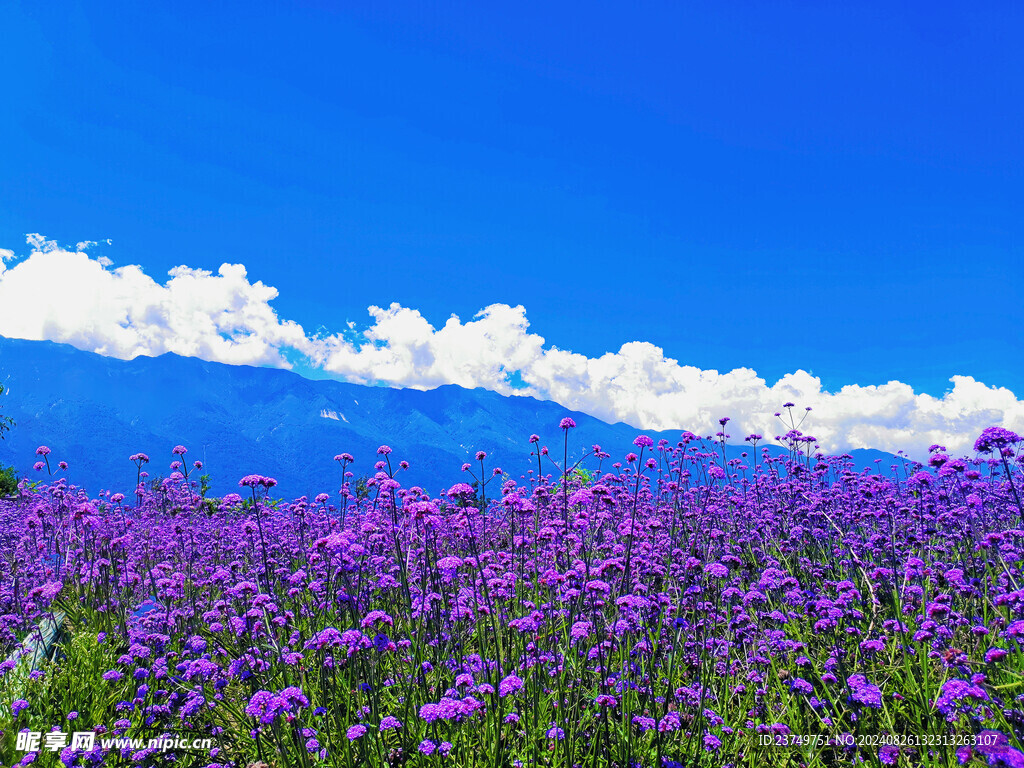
<point x="72" y="681"/>
<point x="578" y="478"/>
<point x="362" y="490"/>
<point x="204" y="485"/>
<point x="8" y="482"/>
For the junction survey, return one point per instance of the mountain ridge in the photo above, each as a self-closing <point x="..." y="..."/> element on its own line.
<point x="94" y="411"/>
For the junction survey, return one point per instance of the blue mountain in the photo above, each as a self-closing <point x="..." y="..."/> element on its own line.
<point x="95" y="411"/>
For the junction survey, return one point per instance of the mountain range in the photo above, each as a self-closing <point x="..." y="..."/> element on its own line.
<point x="94" y="412"/>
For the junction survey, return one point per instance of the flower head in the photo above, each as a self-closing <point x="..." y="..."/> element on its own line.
<point x="864" y="692"/>
<point x="995" y="438"/>
<point x="510" y="685"/>
<point x="266" y="706"/>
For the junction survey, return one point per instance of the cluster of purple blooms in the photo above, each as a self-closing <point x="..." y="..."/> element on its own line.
<point x="670" y="609"/>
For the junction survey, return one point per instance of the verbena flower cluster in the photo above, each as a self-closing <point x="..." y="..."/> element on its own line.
<point x="676" y="608"/>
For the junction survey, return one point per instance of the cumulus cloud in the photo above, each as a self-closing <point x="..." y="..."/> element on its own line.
<point x="402" y="349"/>
<point x="67" y="296"/>
<point x="71" y="297"/>
<point x="640" y="385"/>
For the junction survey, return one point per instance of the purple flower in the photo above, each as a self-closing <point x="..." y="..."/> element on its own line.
<point x="566" y="423"/>
<point x="449" y="565"/>
<point x="953" y="692"/>
<point x="325" y="638"/>
<point x="509" y="685"/>
<point x="355" y="732"/>
<point x="888" y="754"/>
<point x="179" y="450"/>
<point x="554" y="732"/>
<point x="872" y="646"/>
<point x="992" y="655"/>
<point x="390" y="723"/>
<point x="716" y="571"/>
<point x="1016" y="629"/>
<point x="293" y="695"/>
<point x="266" y="706"/>
<point x="112" y="675"/>
<point x="580" y="630"/>
<point x="644" y="723"/>
<point x="670" y="722"/>
<point x="996" y="747"/>
<point x="864" y="692"/>
<point x="643" y="441"/>
<point x="427" y="747"/>
<point x="995" y="438"/>
<point x="802" y="686"/>
<point x="374" y="617"/>
<point x="461" y="491"/>
<point x="17" y="706"/>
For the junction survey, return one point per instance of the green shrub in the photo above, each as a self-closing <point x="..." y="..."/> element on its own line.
<point x="8" y="482"/>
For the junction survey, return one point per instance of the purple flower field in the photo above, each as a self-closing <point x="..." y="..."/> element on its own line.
<point x="672" y="608"/>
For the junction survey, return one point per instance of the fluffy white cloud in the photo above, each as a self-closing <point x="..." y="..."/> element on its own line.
<point x="68" y="296"/>
<point x="639" y="385"/>
<point x="402" y="349"/>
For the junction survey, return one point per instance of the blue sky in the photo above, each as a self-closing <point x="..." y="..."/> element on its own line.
<point x="828" y="187"/>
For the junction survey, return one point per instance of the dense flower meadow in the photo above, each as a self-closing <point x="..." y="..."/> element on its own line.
<point x="674" y="608"/>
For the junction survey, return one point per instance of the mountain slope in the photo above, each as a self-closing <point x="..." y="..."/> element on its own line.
<point x="95" y="411"/>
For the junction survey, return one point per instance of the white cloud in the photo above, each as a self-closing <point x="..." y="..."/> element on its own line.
<point x="639" y="385"/>
<point x="68" y="296"/>
<point x="403" y="349"/>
